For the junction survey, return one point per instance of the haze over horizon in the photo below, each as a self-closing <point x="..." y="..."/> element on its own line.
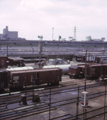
<point x="37" y="17"/>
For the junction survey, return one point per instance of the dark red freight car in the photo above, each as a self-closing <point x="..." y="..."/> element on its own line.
<point x="76" y="71"/>
<point x="94" y="71"/>
<point x="3" y="61"/>
<point x="19" y="79"/>
<point x="3" y="80"/>
<point x="17" y="61"/>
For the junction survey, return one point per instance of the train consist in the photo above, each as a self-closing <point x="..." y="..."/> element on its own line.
<point x="14" y="78"/>
<point x="93" y="71"/>
<point x="25" y="76"/>
<point x="76" y="71"/>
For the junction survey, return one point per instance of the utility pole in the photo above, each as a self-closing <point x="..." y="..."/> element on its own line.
<point x="7" y="50"/>
<point x="39" y="55"/>
<point x="105" y="101"/>
<point x="50" y="105"/>
<point x="85" y="70"/>
<point x="85" y="93"/>
<point x="77" y="105"/>
<point x="105" y="90"/>
<point x="39" y="50"/>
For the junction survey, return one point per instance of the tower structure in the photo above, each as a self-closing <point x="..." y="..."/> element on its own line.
<point x="75" y="33"/>
<point x="52" y="33"/>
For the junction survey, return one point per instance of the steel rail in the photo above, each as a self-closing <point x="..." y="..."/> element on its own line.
<point x="74" y="116"/>
<point x="53" y="104"/>
<point x="53" y="92"/>
<point x="23" y="111"/>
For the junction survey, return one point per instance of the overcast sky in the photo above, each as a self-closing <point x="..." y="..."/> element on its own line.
<point x="37" y="17"/>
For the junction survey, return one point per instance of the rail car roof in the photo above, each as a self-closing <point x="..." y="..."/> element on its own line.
<point x="19" y="68"/>
<point x="82" y="66"/>
<point x="74" y="67"/>
<point x="36" y="70"/>
<point x="92" y="65"/>
<point x="57" y="66"/>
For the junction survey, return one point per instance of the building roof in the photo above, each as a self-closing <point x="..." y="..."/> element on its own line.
<point x="15" y="58"/>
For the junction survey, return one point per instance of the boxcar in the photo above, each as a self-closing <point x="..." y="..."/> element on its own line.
<point x="96" y="70"/>
<point x="19" y="79"/>
<point x="3" y="61"/>
<point x="17" y="61"/>
<point x="93" y="71"/>
<point x="3" y="80"/>
<point x="76" y="71"/>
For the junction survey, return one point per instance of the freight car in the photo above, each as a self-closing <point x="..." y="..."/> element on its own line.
<point x="76" y="71"/>
<point x="18" y="79"/>
<point x="94" y="71"/>
<point x="3" y="80"/>
<point x="4" y="75"/>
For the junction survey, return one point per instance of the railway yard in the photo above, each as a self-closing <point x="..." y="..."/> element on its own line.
<point x="55" y="103"/>
<point x="53" y="80"/>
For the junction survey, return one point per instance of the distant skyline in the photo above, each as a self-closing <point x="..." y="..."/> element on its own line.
<point x="32" y="18"/>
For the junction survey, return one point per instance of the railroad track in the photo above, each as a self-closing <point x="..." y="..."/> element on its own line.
<point x="16" y="113"/>
<point x="24" y="111"/>
<point x="90" y="115"/>
<point x="14" y="98"/>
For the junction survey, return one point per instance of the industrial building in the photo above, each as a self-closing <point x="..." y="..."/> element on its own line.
<point x="10" y="35"/>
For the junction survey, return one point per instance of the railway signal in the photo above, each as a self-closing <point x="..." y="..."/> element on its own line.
<point x="84" y="99"/>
